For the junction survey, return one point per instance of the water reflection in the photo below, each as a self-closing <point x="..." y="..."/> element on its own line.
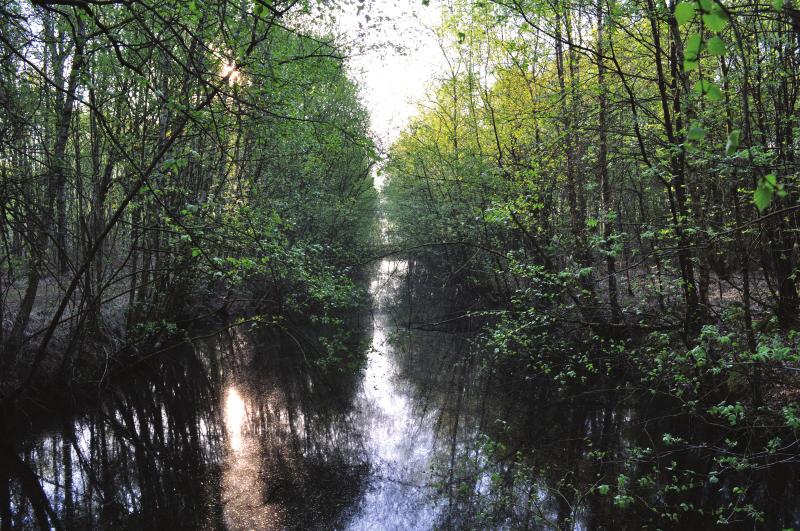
<point x="236" y="431"/>
<point x="234" y="418"/>
<point x="293" y="459"/>
<point x="399" y="442"/>
<point x="246" y="430"/>
<point x="143" y="457"/>
<point x="244" y="507"/>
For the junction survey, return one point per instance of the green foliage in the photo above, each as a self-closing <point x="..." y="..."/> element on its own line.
<point x="716" y="46"/>
<point x="201" y="155"/>
<point x="696" y="132"/>
<point x="684" y="12"/>
<point x="594" y="202"/>
<point x="708" y="89"/>
<point x="767" y="188"/>
<point x="732" y="144"/>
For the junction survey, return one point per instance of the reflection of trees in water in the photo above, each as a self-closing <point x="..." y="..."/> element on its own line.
<point x="513" y="449"/>
<point x="154" y="453"/>
<point x="519" y="452"/>
<point x="143" y="457"/>
<point x="311" y="455"/>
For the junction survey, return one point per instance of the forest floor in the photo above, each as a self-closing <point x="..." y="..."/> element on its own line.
<point x="109" y="331"/>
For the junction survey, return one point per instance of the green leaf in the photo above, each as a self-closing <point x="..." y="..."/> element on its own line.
<point x="764" y="192"/>
<point x="603" y="489"/>
<point x="762" y="197"/>
<point x="706" y="5"/>
<point x="696" y="132"/>
<point x="195" y="252"/>
<point x="717" y="19"/>
<point x="684" y="12"/>
<point x="778" y="5"/>
<point x="716" y="46"/>
<point x="701" y="86"/>
<point x="691" y="51"/>
<point x="714" y="93"/>
<point x="708" y="89"/>
<point x="714" y="22"/>
<point x="732" y="144"/>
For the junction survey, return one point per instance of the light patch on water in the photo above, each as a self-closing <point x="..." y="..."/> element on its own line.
<point x="235" y="414"/>
<point x="398" y="441"/>
<point x="242" y="483"/>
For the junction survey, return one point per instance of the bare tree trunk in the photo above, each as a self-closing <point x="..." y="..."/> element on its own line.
<point x="602" y="170"/>
<point x="676" y="187"/>
<point x="55" y="177"/>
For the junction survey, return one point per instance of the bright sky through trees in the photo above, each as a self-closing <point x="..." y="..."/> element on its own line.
<point x="397" y="55"/>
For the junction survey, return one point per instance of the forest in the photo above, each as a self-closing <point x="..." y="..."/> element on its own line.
<point x="564" y="296"/>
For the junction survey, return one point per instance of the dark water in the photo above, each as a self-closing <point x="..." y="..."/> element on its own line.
<point x="245" y="430"/>
<point x="240" y="430"/>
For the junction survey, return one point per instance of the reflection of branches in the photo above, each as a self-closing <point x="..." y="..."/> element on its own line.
<point x="19" y="469"/>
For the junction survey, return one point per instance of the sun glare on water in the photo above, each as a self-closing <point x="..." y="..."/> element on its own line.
<point x="234" y="418"/>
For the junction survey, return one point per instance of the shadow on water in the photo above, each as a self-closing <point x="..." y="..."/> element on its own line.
<point x="518" y="448"/>
<point x="246" y="430"/>
<point x="235" y="431"/>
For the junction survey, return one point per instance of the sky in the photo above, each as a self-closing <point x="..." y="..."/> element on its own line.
<point x="396" y="57"/>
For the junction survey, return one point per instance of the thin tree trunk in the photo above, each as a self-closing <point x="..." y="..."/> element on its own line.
<point x="602" y="170"/>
